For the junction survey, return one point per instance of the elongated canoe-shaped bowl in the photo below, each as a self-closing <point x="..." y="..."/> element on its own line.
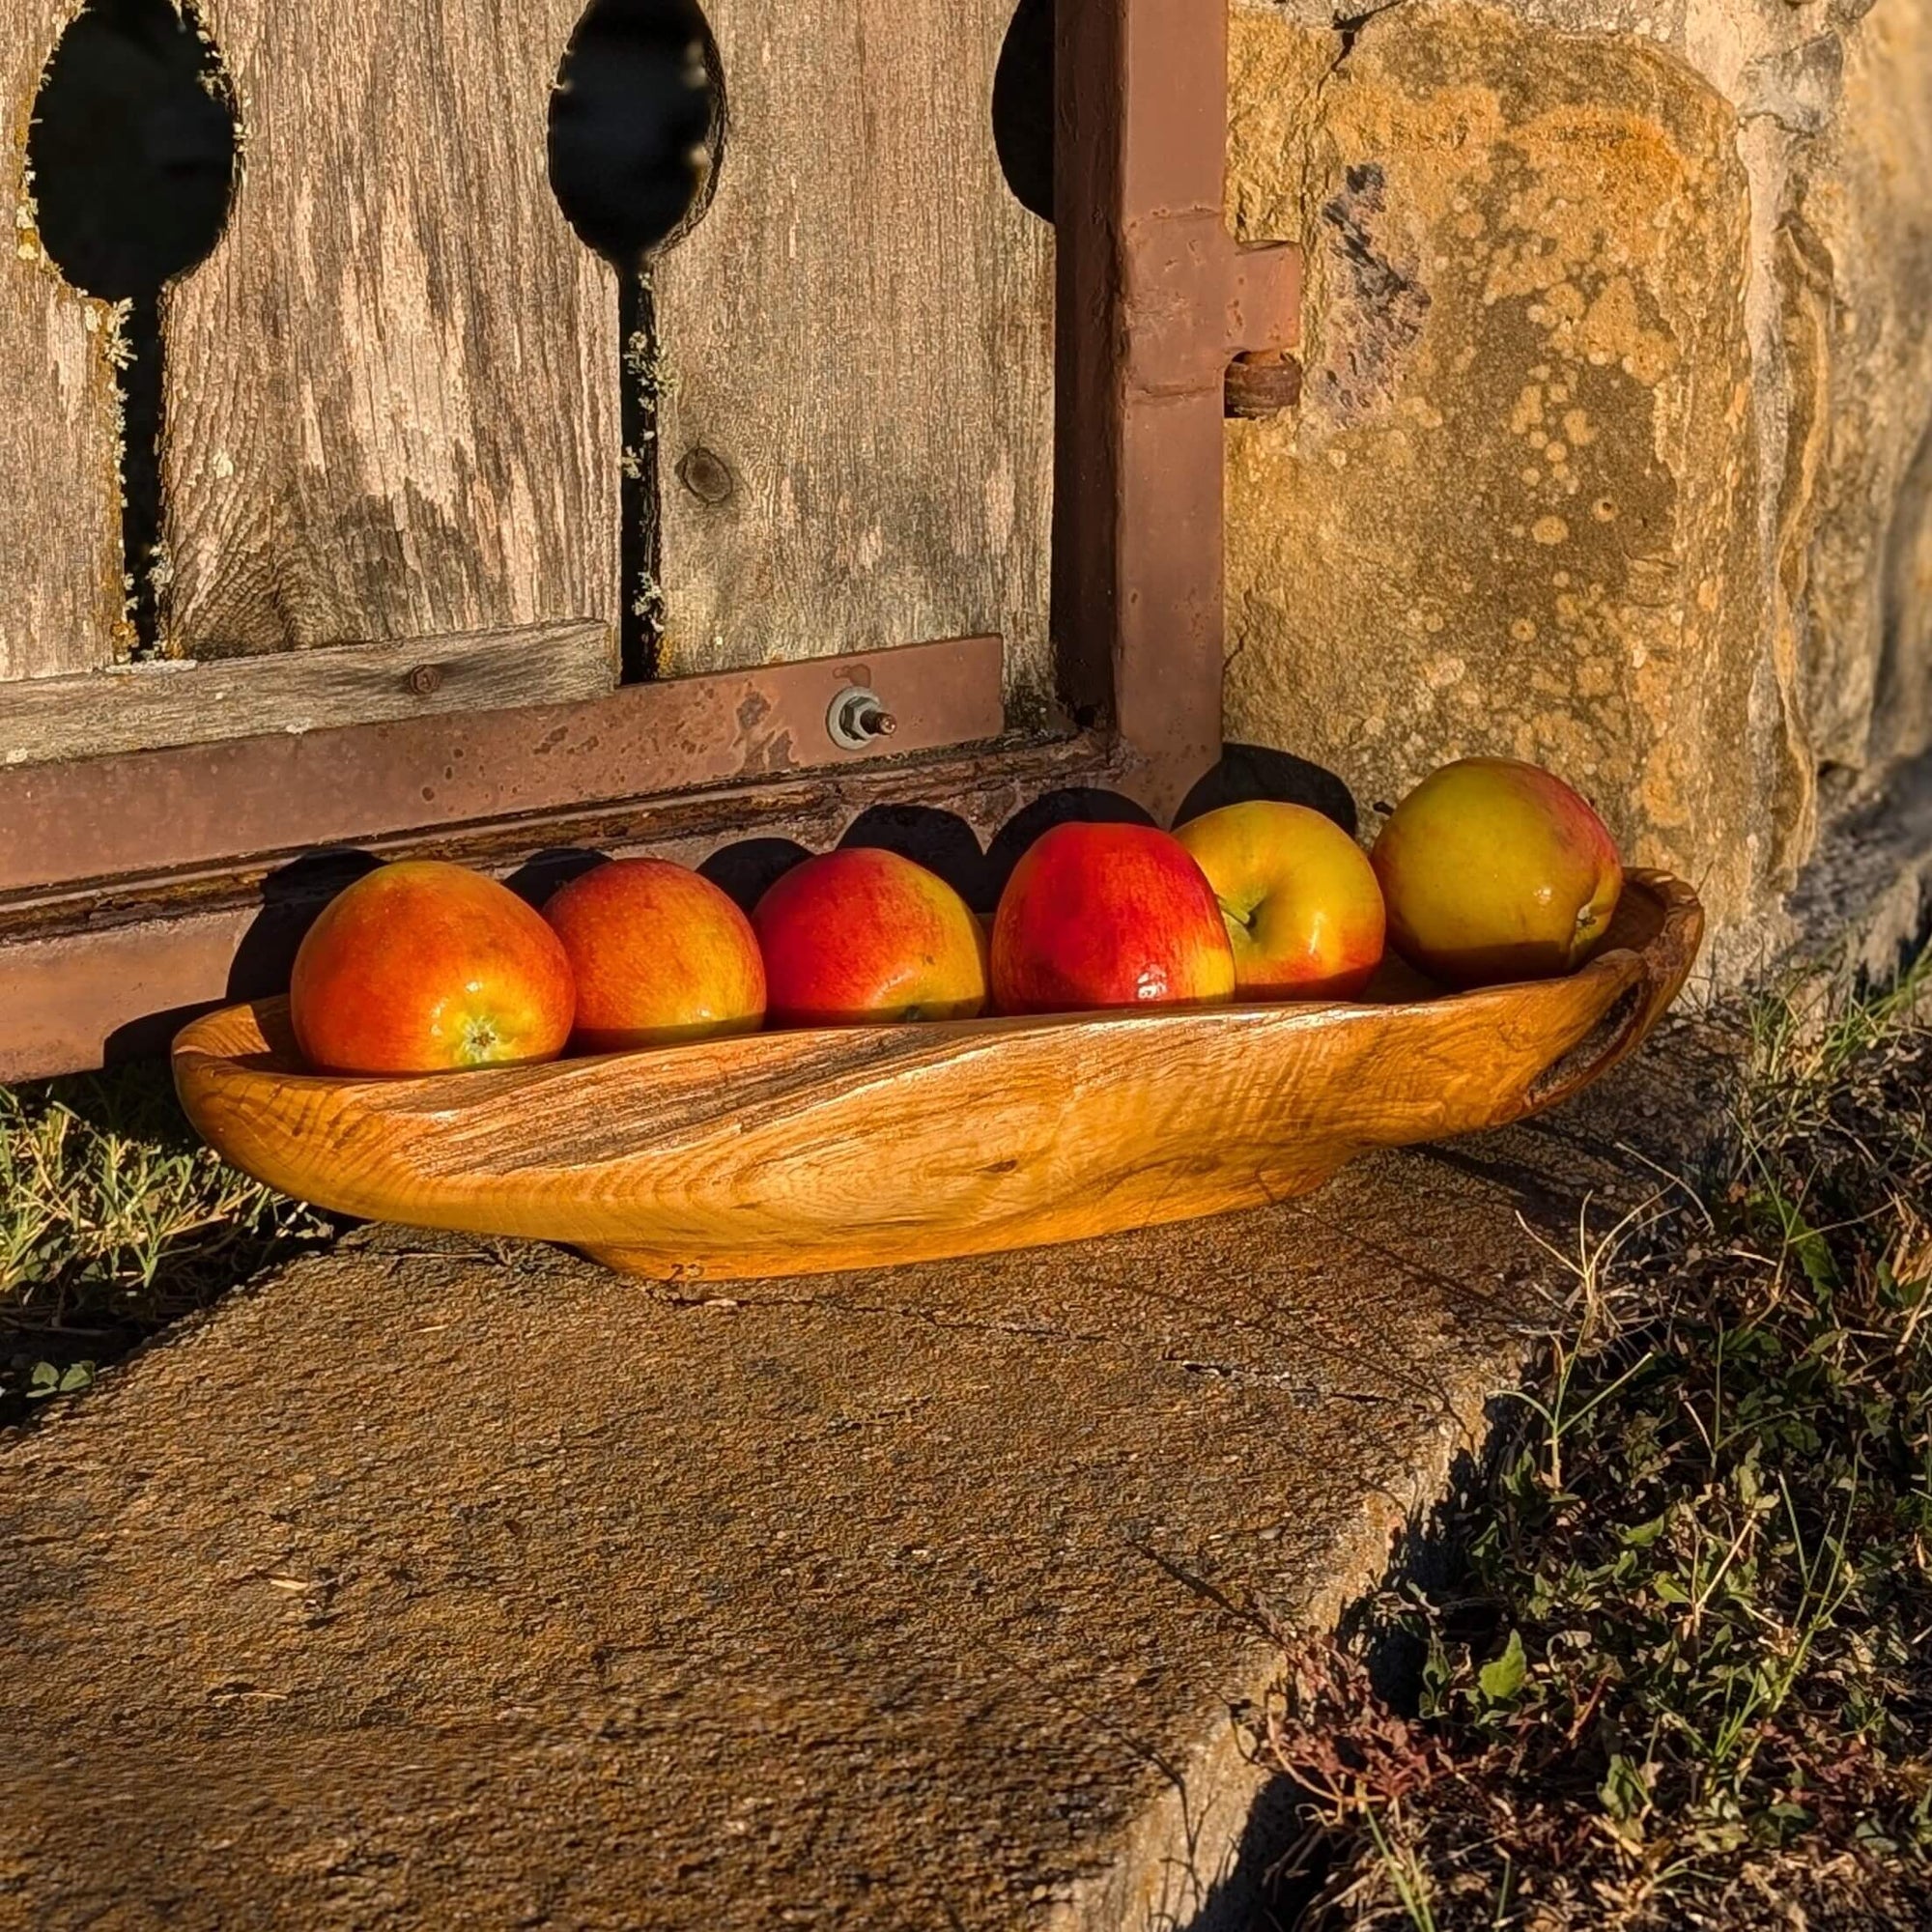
<point x="798" y="1153"/>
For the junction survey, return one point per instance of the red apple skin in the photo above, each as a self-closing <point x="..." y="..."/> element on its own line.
<point x="1301" y="901"/>
<point x="659" y="955"/>
<point x="423" y="967"/>
<point x="1109" y="916"/>
<point x="860" y="936"/>
<point x="1494" y="870"/>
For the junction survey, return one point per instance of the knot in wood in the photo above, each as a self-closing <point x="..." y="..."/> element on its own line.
<point x="707" y="475"/>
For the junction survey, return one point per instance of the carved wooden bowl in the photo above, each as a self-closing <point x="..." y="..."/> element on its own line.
<point x="783" y="1153"/>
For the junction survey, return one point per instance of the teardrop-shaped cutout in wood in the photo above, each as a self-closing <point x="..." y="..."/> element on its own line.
<point x="132" y="160"/>
<point x="131" y="148"/>
<point x="636" y="124"/>
<point x="1023" y="107"/>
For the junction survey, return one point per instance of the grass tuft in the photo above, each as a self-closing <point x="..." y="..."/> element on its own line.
<point x="1681" y="1671"/>
<point x="115" y="1221"/>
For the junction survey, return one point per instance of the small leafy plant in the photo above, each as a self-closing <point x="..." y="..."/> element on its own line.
<point x="49" y="1379"/>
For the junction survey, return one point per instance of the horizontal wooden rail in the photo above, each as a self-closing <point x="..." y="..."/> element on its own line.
<point x="153" y="707"/>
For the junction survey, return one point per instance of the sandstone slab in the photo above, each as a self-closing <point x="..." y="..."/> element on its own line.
<point x="435" y="1583"/>
<point x="1516" y="510"/>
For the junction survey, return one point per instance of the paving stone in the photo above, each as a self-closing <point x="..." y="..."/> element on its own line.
<point x="435" y="1582"/>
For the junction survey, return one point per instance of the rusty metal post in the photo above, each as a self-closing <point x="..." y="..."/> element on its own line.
<point x="1154" y="300"/>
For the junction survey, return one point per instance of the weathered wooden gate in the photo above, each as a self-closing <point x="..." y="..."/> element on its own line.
<point x="392" y="466"/>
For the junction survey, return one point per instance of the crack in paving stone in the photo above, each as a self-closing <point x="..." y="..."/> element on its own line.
<point x="1210" y="1593"/>
<point x="1307" y="1393"/>
<point x="930" y="1317"/>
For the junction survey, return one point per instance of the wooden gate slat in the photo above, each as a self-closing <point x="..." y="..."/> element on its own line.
<point x="149" y="707"/>
<point x="861" y="330"/>
<point x="392" y="392"/>
<point x="61" y="601"/>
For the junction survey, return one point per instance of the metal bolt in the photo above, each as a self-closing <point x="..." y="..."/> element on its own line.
<point x="707" y="475"/>
<point x="1262" y="384"/>
<point x="424" y="679"/>
<point x="857" y="718"/>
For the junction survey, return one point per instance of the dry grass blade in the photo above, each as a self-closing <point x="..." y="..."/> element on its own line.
<point x="114" y="1220"/>
<point x="1677" y="1675"/>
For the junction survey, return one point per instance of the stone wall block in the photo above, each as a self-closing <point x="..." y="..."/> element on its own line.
<point x="1864" y="190"/>
<point x="1519" y="508"/>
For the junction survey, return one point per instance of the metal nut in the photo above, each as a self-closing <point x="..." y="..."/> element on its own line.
<point x="707" y="475"/>
<point x="424" y="679"/>
<point x="857" y="718"/>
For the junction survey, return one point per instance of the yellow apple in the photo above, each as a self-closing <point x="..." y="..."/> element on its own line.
<point x="1493" y="870"/>
<point x="1298" y="896"/>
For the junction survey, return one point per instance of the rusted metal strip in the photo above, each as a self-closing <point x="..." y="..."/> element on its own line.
<point x="1154" y="299"/>
<point x="87" y="1000"/>
<point x="88" y="977"/>
<point x="152" y="812"/>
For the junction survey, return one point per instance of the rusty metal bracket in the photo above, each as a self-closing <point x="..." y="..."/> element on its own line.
<point x="1184" y="272"/>
<point x="149" y="812"/>
<point x="1264" y="298"/>
<point x="1155" y="301"/>
<point x="1263" y="374"/>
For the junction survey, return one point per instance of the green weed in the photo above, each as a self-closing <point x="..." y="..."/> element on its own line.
<point x="115" y="1220"/>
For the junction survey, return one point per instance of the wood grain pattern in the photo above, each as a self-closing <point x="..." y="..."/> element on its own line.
<point x="147" y="707"/>
<point x="392" y="392"/>
<point x="62" y="605"/>
<point x="861" y="329"/>
<point x="800" y="1152"/>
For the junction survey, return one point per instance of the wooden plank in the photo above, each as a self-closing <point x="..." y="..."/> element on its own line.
<point x="62" y="603"/>
<point x="150" y="706"/>
<point x="861" y="332"/>
<point x="392" y="392"/>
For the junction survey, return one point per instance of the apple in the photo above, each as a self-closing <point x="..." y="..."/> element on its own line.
<point x="1493" y="870"/>
<point x="1303" y="910"/>
<point x="865" y="935"/>
<point x="421" y="966"/>
<point x="659" y="955"/>
<point x="1109" y="914"/>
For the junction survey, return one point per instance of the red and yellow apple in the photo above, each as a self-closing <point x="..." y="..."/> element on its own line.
<point x="865" y="935"/>
<point x="421" y="966"/>
<point x="1494" y="870"/>
<point x="1109" y="914"/>
<point x="1303" y="911"/>
<point x="659" y="955"/>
